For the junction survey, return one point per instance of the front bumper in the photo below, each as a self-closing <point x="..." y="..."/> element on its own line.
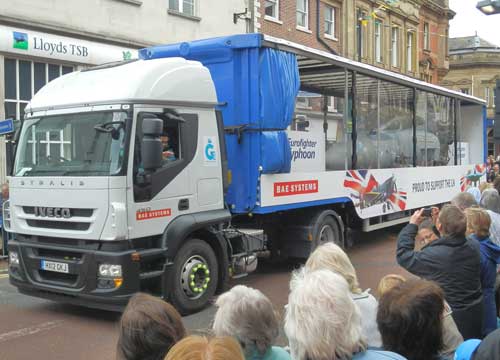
<point x="80" y="285"/>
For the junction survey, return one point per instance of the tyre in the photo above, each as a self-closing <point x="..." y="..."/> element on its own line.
<point x="194" y="277"/>
<point x="325" y="230"/>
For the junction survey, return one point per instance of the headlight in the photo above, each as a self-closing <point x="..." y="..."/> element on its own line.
<point x="13" y="258"/>
<point x="107" y="270"/>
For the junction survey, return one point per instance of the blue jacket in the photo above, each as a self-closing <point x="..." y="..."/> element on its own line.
<point x="490" y="257"/>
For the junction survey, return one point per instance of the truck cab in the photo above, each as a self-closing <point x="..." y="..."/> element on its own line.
<point x="107" y="158"/>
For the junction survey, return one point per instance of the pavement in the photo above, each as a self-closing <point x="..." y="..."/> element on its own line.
<point x="4" y="266"/>
<point x="41" y="329"/>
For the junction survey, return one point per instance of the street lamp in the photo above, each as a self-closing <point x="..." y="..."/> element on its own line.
<point x="489" y="7"/>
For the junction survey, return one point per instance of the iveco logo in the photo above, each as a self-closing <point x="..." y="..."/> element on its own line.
<point x="52" y="212"/>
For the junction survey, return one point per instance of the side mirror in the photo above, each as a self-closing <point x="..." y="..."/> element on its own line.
<point x="152" y="146"/>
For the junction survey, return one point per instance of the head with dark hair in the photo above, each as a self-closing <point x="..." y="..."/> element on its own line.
<point x="451" y="221"/>
<point x="496" y="183"/>
<point x="410" y="319"/>
<point x="464" y="200"/>
<point x="149" y="327"/>
<point x="426" y="233"/>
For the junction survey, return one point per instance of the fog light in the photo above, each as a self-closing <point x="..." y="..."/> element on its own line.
<point x="107" y="270"/>
<point x="13" y="258"/>
<point x="106" y="283"/>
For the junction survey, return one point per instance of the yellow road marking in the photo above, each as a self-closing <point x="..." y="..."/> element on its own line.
<point x="4" y="276"/>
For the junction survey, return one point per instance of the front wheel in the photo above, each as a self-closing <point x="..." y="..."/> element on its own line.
<point x="325" y="230"/>
<point x="194" y="276"/>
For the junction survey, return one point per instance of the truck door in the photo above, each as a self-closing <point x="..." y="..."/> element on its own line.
<point x="157" y="197"/>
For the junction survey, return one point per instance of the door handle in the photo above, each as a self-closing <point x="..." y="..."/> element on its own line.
<point x="183" y="204"/>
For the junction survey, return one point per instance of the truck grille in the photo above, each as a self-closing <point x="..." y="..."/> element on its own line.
<point x="60" y="278"/>
<point x="62" y="225"/>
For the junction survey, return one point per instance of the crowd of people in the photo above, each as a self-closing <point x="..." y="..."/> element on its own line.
<point x="446" y="309"/>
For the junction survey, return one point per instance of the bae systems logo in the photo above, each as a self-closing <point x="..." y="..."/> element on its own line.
<point x="20" y="40"/>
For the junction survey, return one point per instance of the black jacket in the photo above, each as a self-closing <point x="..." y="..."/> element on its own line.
<point x="489" y="349"/>
<point x="452" y="262"/>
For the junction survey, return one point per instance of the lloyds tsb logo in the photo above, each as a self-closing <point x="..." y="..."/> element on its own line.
<point x="20" y="40"/>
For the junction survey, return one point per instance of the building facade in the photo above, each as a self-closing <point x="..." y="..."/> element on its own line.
<point x="42" y="40"/>
<point x="407" y="36"/>
<point x="474" y="69"/>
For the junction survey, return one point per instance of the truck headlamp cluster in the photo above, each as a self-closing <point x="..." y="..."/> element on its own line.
<point x="110" y="276"/>
<point x="13" y="258"/>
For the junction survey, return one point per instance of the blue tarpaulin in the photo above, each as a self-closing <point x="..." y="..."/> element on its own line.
<point x="256" y="87"/>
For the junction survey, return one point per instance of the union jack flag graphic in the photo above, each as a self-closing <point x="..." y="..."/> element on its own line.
<point x="369" y="192"/>
<point x="464" y="182"/>
<point x="357" y="181"/>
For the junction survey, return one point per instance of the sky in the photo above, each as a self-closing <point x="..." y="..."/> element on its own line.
<point x="468" y="20"/>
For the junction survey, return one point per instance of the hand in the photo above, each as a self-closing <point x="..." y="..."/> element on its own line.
<point x="417" y="217"/>
<point x="434" y="214"/>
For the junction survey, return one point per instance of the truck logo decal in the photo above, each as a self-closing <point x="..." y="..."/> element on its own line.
<point x="144" y="214"/>
<point x="209" y="151"/>
<point x="56" y="212"/>
<point x="295" y="187"/>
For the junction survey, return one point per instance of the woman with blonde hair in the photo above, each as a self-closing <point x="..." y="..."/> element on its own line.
<point x="201" y="348"/>
<point x="331" y="257"/>
<point x="478" y="229"/>
<point x="323" y="323"/>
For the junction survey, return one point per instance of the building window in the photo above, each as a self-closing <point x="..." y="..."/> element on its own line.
<point x="465" y="91"/>
<point x="360" y="34"/>
<point x="330" y="21"/>
<point x="395" y="46"/>
<point x="378" y="41"/>
<point x="272" y="9"/>
<point x="487" y="96"/>
<point x="23" y="79"/>
<point x="426" y="36"/>
<point x="409" y="51"/>
<point x="183" y="6"/>
<point x="303" y="14"/>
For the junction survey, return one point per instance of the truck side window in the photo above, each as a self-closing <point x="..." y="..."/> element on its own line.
<point x="179" y="139"/>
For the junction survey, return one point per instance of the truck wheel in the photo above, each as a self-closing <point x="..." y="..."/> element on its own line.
<point x="194" y="276"/>
<point x="326" y="230"/>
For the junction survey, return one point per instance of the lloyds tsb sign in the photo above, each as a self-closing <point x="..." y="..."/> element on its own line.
<point x="59" y="47"/>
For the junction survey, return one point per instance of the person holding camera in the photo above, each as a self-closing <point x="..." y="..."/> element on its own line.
<point x="452" y="261"/>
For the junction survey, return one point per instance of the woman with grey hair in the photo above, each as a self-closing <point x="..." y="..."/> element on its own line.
<point x="249" y="316"/>
<point x="490" y="201"/>
<point x="323" y="323"/>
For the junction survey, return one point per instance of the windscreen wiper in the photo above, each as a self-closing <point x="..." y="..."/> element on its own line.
<point x="110" y="129"/>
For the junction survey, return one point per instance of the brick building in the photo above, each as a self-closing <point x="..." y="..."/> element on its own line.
<point x="407" y="36"/>
<point x="474" y="69"/>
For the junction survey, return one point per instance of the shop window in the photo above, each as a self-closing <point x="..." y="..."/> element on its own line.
<point x="23" y="79"/>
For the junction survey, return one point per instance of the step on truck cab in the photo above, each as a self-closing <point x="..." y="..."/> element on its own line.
<point x="170" y="173"/>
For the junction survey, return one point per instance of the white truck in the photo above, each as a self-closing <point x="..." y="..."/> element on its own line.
<point x="169" y="174"/>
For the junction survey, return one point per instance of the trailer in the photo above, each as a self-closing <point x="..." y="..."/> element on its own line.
<point x="171" y="173"/>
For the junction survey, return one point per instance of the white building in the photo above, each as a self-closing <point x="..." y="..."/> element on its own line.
<point x="41" y="40"/>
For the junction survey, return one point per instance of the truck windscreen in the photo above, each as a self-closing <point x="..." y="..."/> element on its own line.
<point x="84" y="144"/>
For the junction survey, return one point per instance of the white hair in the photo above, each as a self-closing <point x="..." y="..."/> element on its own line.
<point x="248" y="315"/>
<point x="322" y="322"/>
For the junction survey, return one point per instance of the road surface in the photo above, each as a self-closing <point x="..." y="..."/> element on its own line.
<point x="32" y="328"/>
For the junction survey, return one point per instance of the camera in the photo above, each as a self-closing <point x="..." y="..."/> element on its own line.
<point x="427" y="212"/>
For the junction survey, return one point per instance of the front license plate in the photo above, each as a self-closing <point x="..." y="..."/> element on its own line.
<point x="54" y="266"/>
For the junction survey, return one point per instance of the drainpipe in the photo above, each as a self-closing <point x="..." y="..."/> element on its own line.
<point x="318" y="36"/>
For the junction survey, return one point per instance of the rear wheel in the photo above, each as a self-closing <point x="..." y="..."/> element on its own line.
<point x="326" y="230"/>
<point x="194" y="276"/>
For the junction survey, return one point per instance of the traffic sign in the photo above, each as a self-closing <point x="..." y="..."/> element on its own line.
<point x="6" y="126"/>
